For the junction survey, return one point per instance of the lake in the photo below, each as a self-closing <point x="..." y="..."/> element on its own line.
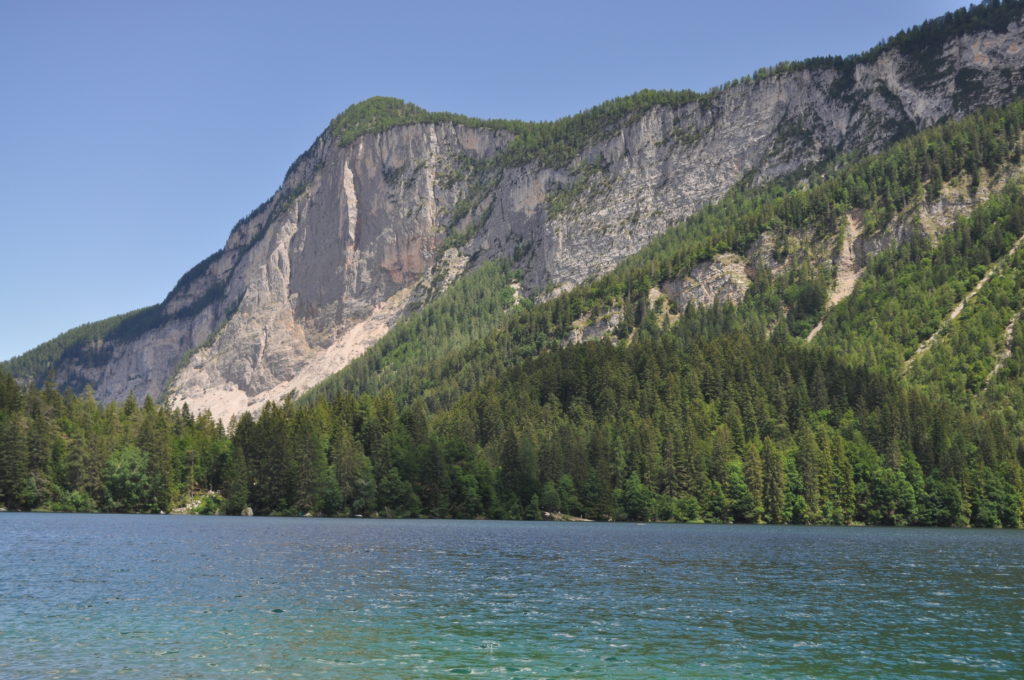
<point x="101" y="596"/>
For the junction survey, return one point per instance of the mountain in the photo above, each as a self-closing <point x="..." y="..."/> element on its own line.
<point x="830" y="341"/>
<point x="394" y="209"/>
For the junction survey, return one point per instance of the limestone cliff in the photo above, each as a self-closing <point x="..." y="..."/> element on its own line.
<point x="364" y="228"/>
<point x="669" y="162"/>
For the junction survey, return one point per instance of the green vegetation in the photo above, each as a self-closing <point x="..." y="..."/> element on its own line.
<point x="471" y="309"/>
<point x="473" y="408"/>
<point x="68" y="453"/>
<point x="704" y="422"/>
<point x="908" y="291"/>
<point x="377" y="114"/>
<point x="83" y="340"/>
<point x="881" y="187"/>
<point x="549" y="144"/>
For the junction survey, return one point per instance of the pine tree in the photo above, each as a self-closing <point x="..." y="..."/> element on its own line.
<point x="774" y="484"/>
<point x="236" y="483"/>
<point x="353" y="470"/>
<point x="16" y="484"/>
<point x="153" y="438"/>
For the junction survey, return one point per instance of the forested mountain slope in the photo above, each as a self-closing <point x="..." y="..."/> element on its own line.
<point x="394" y="208"/>
<point x="701" y="395"/>
<point x="790" y="254"/>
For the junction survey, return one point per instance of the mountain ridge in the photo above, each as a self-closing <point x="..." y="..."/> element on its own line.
<point x="943" y="175"/>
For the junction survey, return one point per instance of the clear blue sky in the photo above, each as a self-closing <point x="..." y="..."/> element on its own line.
<point x="133" y="135"/>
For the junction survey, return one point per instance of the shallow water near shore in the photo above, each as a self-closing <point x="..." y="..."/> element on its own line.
<point x="100" y="596"/>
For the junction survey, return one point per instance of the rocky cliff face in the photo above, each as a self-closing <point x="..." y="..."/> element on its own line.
<point x="662" y="167"/>
<point x="359" y="232"/>
<point x="309" y="280"/>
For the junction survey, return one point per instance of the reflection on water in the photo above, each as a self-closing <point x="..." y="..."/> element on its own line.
<point x="102" y="596"/>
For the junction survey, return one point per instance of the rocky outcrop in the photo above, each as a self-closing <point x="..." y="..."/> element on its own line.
<point x="601" y="324"/>
<point x="719" y="280"/>
<point x="361" y="231"/>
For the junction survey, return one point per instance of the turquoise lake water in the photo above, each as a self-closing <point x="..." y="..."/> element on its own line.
<point x="107" y="596"/>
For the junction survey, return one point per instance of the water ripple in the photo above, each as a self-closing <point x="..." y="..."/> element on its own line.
<point x="199" y="597"/>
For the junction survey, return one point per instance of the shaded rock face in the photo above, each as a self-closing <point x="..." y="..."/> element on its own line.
<point x="356" y="233"/>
